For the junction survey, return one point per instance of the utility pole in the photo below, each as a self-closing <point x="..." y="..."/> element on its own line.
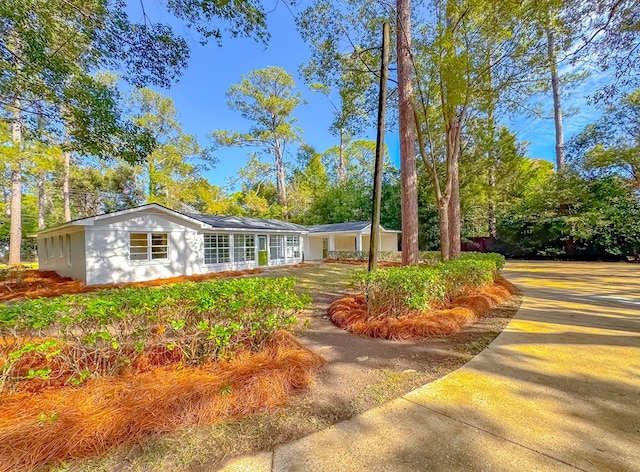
<point x="377" y="176"/>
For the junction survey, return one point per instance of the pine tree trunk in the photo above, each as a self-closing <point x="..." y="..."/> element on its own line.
<point x="493" y="225"/>
<point x="555" y="88"/>
<point x="15" y="232"/>
<point x="341" y="164"/>
<point x="65" y="184"/>
<point x="280" y="177"/>
<point x="41" y="199"/>
<point x="408" y="175"/>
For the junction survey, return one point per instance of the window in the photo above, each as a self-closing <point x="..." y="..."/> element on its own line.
<point x="276" y="247"/>
<point x="148" y="246"/>
<point x="244" y="247"/>
<point x="159" y="246"/>
<point x="293" y="247"/>
<point x="216" y="248"/>
<point x="60" y="246"/>
<point x="68" y="246"/>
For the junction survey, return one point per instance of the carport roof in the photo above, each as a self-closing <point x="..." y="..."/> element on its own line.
<point x="354" y="227"/>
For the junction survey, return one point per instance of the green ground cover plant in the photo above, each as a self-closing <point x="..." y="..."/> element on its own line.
<point x="398" y="290"/>
<point x="67" y="339"/>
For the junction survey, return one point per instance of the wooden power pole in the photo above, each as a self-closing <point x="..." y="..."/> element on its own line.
<point x="377" y="176"/>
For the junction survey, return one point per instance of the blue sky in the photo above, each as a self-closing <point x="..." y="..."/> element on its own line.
<point x="200" y="98"/>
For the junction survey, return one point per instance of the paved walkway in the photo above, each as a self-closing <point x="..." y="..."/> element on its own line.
<point x="559" y="389"/>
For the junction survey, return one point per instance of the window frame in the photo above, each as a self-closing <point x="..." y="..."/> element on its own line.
<point x="150" y="247"/>
<point x="244" y="245"/>
<point x="292" y="246"/>
<point x="67" y="238"/>
<point x="278" y="247"/>
<point x="215" y="253"/>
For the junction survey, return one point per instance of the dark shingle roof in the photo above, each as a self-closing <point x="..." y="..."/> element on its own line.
<point x="339" y="227"/>
<point x="237" y="222"/>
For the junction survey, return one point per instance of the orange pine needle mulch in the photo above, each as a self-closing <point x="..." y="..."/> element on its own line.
<point x="49" y="284"/>
<point x="62" y="424"/>
<point x="350" y="313"/>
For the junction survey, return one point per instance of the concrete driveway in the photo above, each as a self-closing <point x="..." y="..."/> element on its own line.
<point x="559" y="389"/>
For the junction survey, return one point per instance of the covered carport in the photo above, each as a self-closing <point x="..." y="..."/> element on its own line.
<point x="346" y="237"/>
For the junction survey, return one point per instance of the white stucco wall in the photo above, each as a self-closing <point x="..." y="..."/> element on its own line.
<point x="107" y="248"/>
<point x="314" y="248"/>
<point x="345" y="243"/>
<point x="67" y="260"/>
<point x="108" y="259"/>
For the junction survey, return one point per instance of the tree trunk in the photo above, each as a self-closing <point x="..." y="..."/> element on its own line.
<point x="443" y="223"/>
<point x="15" y="232"/>
<point x="280" y="177"/>
<point x="152" y="184"/>
<point x="555" y="87"/>
<point x="41" y="199"/>
<point x="454" y="219"/>
<point x="377" y="176"/>
<point x="491" y="154"/>
<point x="341" y="165"/>
<point x="65" y="183"/>
<point x="493" y="230"/>
<point x="408" y="175"/>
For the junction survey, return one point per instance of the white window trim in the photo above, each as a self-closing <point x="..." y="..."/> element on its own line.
<point x="244" y="248"/>
<point x="149" y="246"/>
<point x="67" y="238"/>
<point x="229" y="248"/>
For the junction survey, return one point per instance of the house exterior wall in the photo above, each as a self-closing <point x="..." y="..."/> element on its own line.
<point x="108" y="250"/>
<point x="345" y="243"/>
<point x="389" y="242"/>
<point x="314" y="248"/>
<point x="65" y="256"/>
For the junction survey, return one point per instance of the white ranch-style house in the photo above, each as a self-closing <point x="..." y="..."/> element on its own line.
<point x="152" y="242"/>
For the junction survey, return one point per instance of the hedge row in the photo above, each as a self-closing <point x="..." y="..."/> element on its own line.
<point x="104" y="332"/>
<point x="398" y="290"/>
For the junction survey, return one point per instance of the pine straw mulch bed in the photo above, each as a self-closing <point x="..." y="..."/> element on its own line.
<point x="350" y="313"/>
<point x="61" y="424"/>
<point x="34" y="284"/>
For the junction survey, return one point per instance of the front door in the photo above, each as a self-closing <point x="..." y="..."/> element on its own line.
<point x="325" y="248"/>
<point x="263" y="255"/>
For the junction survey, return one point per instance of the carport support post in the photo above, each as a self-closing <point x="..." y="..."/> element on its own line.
<point x="377" y="176"/>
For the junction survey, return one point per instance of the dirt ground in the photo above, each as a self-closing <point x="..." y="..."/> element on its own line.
<point x="360" y="373"/>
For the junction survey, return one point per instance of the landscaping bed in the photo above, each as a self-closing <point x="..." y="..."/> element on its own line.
<point x="82" y="373"/>
<point x="359" y="373"/>
<point x="18" y="282"/>
<point x="423" y="301"/>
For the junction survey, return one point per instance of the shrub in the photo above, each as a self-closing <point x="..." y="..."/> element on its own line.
<point x="461" y="274"/>
<point x="399" y="290"/>
<point x="67" y="339"/>
<point x="497" y="259"/>
<point x="431" y="258"/>
<point x="390" y="256"/>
